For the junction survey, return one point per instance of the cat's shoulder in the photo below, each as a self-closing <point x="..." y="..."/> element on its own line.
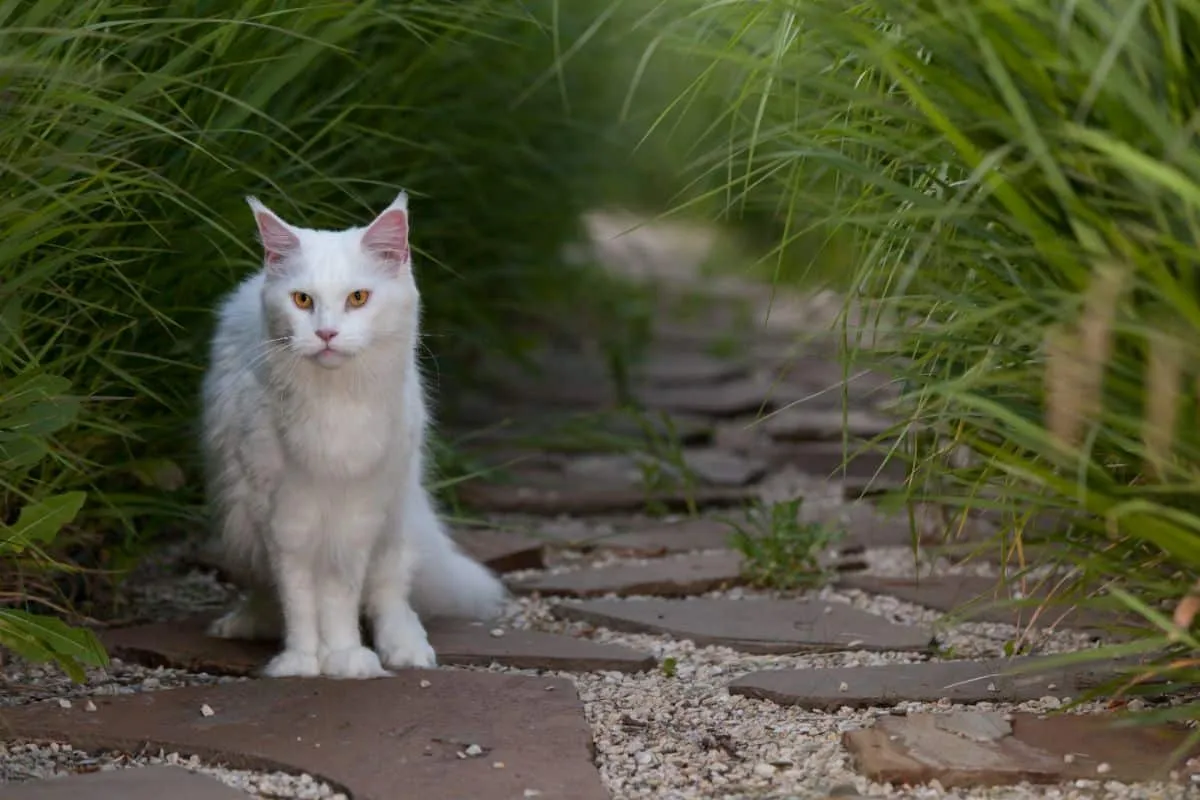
<point x="243" y="305"/>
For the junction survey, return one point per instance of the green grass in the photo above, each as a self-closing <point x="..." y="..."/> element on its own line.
<point x="780" y="551"/>
<point x="1020" y="185"/>
<point x="129" y="135"/>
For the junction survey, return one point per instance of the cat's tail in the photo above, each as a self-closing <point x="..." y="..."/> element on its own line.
<point x="448" y="582"/>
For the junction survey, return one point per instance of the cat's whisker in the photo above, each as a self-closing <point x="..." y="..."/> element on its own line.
<point x="266" y="350"/>
<point x="270" y="348"/>
<point x="432" y="356"/>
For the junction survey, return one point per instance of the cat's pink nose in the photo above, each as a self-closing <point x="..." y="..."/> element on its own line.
<point x="326" y="335"/>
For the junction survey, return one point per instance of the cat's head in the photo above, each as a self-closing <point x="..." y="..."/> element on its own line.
<point x="334" y="295"/>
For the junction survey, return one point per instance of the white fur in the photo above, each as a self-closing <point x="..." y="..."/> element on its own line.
<point x="316" y="457"/>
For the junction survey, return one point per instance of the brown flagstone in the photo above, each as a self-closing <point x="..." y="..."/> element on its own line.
<point x="979" y="599"/>
<point x="994" y="680"/>
<point x="502" y="551"/>
<point x="691" y="574"/>
<point x="184" y="645"/>
<point x="753" y="626"/>
<point x="370" y="737"/>
<point x="134" y="783"/>
<point x="984" y="748"/>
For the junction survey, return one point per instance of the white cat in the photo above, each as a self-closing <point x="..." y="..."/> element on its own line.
<point x="314" y="434"/>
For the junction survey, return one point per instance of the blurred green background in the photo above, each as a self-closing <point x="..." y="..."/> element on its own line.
<point x="1013" y="189"/>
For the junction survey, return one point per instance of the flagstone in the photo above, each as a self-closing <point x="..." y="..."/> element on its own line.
<point x="986" y="748"/>
<point x="184" y="645"/>
<point x="753" y="626"/>
<point x="369" y="736"/>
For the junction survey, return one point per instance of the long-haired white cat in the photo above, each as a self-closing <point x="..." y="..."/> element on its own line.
<point x="314" y="434"/>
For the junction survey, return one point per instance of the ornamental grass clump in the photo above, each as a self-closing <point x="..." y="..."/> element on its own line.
<point x="1021" y="185"/>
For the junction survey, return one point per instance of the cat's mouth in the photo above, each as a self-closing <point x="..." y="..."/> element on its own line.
<point x="330" y="356"/>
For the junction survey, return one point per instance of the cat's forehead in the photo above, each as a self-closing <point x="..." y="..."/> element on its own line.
<point x="334" y="259"/>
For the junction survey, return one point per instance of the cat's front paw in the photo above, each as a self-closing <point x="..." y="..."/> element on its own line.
<point x="411" y="651"/>
<point x="353" y="662"/>
<point x="401" y="640"/>
<point x="293" y="664"/>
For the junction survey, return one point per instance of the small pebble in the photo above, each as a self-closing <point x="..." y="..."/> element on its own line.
<point x="206" y="710"/>
<point x="33" y="761"/>
<point x="691" y="737"/>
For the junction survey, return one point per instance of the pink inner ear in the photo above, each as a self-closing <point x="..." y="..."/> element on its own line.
<point x="387" y="237"/>
<point x="277" y="240"/>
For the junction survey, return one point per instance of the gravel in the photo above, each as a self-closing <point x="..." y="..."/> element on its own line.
<point x="22" y="761"/>
<point x="658" y="735"/>
<point x="685" y="736"/>
<point x="22" y="683"/>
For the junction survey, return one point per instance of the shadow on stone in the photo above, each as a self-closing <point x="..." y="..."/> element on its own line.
<point x="184" y="645"/>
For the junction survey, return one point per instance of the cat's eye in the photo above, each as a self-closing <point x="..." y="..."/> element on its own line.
<point x="358" y="299"/>
<point x="303" y="301"/>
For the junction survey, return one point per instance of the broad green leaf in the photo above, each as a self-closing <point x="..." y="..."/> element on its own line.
<point x="21" y="452"/>
<point x="39" y="522"/>
<point x="43" y="638"/>
<point x="28" y="389"/>
<point x="159" y="473"/>
<point x="38" y="406"/>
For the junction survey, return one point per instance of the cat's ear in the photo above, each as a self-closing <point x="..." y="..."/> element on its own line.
<point x="387" y="237"/>
<point x="277" y="237"/>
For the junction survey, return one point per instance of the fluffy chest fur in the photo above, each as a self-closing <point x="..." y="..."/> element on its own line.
<point x="333" y="433"/>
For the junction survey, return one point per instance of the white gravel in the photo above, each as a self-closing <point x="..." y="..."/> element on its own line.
<point x="161" y="596"/>
<point x="685" y="736"/>
<point x="22" y="683"/>
<point x="657" y="735"/>
<point x="22" y="761"/>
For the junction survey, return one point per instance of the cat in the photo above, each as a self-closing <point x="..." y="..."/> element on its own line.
<point x="314" y="429"/>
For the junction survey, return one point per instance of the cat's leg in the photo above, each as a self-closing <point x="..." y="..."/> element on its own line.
<point x="294" y="535"/>
<point x="400" y="638"/>
<point x="297" y="592"/>
<point x="340" y="587"/>
<point x="255" y="617"/>
<point x="241" y="552"/>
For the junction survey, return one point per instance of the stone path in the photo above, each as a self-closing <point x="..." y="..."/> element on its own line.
<point x="637" y="660"/>
<point x="149" y="783"/>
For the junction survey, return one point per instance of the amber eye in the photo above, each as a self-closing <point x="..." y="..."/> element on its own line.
<point x="358" y="299"/>
<point x="302" y="300"/>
